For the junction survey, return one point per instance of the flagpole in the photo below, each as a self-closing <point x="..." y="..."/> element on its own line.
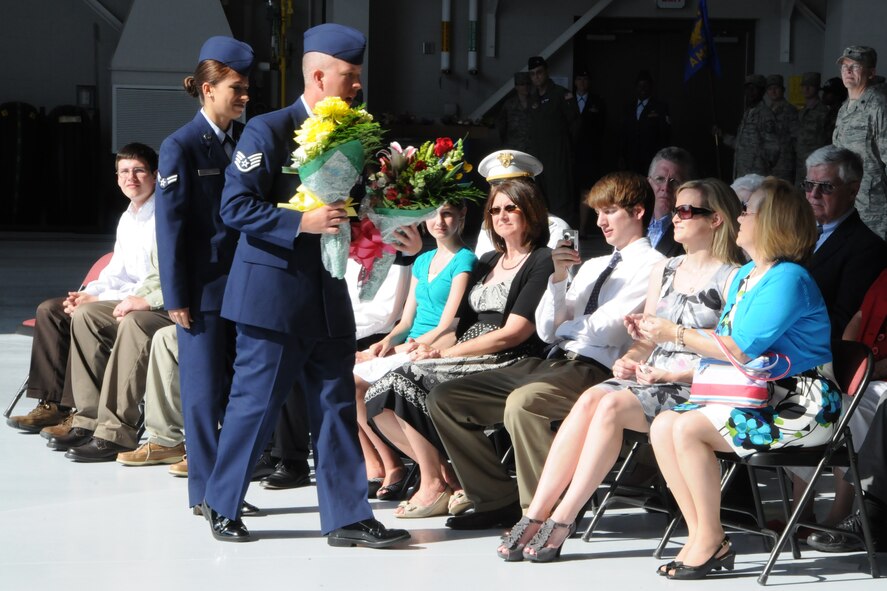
<point x="714" y="118"/>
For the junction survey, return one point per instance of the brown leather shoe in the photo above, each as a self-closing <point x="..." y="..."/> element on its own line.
<point x="149" y="454"/>
<point x="59" y="430"/>
<point x="45" y="414"/>
<point x="180" y="469"/>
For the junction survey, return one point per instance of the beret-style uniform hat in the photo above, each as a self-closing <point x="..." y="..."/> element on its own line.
<point x="339" y="41"/>
<point x="235" y="54"/>
<point x="508" y="164"/>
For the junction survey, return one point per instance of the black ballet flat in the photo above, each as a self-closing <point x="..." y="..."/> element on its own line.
<point x="683" y="571"/>
<point x="391" y="491"/>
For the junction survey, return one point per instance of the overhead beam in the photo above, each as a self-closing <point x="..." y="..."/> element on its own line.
<point x="811" y="16"/>
<point x="106" y="14"/>
<point x="552" y="47"/>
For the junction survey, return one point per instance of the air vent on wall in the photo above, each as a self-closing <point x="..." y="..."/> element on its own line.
<point x="148" y="114"/>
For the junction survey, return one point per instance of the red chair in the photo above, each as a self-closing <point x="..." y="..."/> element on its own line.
<point x="27" y="326"/>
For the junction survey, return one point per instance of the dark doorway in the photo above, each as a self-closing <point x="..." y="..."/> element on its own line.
<point x="615" y="50"/>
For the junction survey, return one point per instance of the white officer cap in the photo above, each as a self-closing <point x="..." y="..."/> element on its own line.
<point x="508" y="164"/>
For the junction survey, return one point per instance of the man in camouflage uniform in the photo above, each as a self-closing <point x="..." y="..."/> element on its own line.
<point x="812" y="121"/>
<point x="833" y="96"/>
<point x="861" y="126"/>
<point x="786" y="128"/>
<point x="513" y="123"/>
<point x="755" y="142"/>
<point x="554" y="123"/>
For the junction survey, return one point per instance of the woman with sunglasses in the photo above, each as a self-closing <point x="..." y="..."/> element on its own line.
<point x="647" y="379"/>
<point x="496" y="327"/>
<point x="773" y="307"/>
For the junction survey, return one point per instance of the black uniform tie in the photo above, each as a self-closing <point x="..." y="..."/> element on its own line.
<point x="592" y="304"/>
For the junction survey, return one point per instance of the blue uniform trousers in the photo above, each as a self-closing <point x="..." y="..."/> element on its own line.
<point x="266" y="366"/>
<point x="205" y="377"/>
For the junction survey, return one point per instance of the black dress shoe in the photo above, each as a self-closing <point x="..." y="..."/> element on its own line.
<point x="75" y="437"/>
<point x="96" y="450"/>
<point x="472" y="519"/>
<point x="246" y="510"/>
<point x="288" y="474"/>
<point x="224" y="529"/>
<point x="265" y="466"/>
<point x="369" y="533"/>
<point x="850" y="541"/>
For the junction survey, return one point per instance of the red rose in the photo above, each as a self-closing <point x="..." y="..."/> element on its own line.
<point x="391" y="193"/>
<point x="420" y="165"/>
<point x="442" y="145"/>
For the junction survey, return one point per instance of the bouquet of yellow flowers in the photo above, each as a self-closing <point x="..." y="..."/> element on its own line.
<point x="408" y="188"/>
<point x="333" y="146"/>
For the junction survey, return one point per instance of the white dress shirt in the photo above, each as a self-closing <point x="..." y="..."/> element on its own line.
<point x="602" y="336"/>
<point x="131" y="261"/>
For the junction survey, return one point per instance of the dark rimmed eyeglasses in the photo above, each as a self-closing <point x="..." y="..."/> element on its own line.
<point x="810" y="186"/>
<point x="510" y="208"/>
<point x="685" y="212"/>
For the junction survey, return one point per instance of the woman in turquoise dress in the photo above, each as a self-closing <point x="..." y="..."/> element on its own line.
<point x="440" y="278"/>
<point x="773" y="306"/>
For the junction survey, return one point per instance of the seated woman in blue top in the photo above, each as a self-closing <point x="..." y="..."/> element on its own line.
<point x="773" y="305"/>
<point x="440" y="278"/>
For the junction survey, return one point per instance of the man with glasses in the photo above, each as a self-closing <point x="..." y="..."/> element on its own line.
<point x="669" y="169"/>
<point x="848" y="256"/>
<point x="49" y="379"/>
<point x="861" y="126"/>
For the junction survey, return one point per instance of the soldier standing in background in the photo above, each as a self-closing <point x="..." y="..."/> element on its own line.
<point x="833" y="96"/>
<point x="513" y="123"/>
<point x="589" y="163"/>
<point x="812" y="124"/>
<point x="554" y="122"/>
<point x="755" y="142"/>
<point x="786" y="128"/>
<point x="861" y="126"/>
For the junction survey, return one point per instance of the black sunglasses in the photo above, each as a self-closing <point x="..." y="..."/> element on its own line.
<point x="810" y="186"/>
<point x="685" y="212"/>
<point x="510" y="208"/>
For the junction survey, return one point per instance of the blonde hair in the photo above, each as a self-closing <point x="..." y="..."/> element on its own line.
<point x="720" y="198"/>
<point x="786" y="228"/>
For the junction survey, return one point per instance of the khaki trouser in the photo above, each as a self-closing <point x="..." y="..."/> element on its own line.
<point x="164" y="423"/>
<point x="527" y="397"/>
<point x="109" y="361"/>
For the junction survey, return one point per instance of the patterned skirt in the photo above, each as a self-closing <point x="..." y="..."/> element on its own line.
<point x="405" y="389"/>
<point x="803" y="412"/>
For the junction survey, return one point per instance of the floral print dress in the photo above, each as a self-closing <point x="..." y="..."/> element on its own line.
<point x="802" y="412"/>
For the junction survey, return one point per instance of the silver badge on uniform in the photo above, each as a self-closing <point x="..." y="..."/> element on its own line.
<point x="167" y="181"/>
<point x="247" y="163"/>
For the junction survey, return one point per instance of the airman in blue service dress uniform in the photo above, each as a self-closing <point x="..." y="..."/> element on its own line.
<point x="195" y="248"/>
<point x="294" y="321"/>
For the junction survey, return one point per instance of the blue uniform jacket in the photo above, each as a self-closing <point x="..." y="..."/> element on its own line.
<point x="277" y="280"/>
<point x="194" y="247"/>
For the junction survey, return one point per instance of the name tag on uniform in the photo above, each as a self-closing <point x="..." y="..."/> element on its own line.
<point x="208" y="171"/>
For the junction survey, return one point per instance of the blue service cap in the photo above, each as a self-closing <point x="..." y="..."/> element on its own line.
<point x="235" y="54"/>
<point x="339" y="41"/>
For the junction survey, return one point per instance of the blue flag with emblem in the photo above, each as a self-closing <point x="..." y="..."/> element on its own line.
<point x="702" y="45"/>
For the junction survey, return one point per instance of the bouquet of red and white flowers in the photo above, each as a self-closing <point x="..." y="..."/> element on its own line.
<point x="408" y="188"/>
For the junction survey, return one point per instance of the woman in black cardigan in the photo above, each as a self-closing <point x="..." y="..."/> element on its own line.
<point x="496" y="327"/>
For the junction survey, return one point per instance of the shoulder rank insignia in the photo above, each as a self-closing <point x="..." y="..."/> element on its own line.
<point x="247" y="163"/>
<point x="167" y="181"/>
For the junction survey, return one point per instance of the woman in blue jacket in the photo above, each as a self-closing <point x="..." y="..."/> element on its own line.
<point x="195" y="248"/>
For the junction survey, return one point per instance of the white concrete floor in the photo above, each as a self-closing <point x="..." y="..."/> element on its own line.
<point x="106" y="526"/>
